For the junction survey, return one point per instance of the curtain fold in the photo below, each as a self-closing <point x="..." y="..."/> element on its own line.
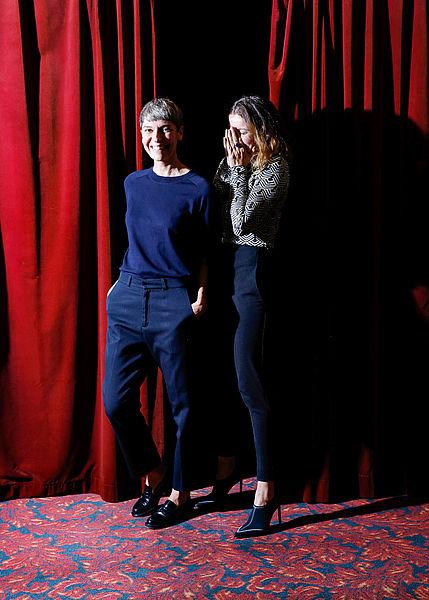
<point x="351" y="80"/>
<point x="74" y="74"/>
<point x="377" y="50"/>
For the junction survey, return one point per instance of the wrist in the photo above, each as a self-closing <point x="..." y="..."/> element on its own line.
<point x="239" y="167"/>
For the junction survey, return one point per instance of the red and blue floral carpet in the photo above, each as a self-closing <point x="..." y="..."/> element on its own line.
<point x="75" y="547"/>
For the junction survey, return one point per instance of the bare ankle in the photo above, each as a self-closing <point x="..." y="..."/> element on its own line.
<point x="179" y="497"/>
<point x="264" y="492"/>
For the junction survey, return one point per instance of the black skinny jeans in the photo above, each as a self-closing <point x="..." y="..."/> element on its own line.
<point x="249" y="267"/>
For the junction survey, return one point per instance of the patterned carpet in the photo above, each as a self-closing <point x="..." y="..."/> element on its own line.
<point x="75" y="547"/>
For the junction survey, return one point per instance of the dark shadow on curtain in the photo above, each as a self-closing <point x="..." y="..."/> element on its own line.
<point x="348" y="365"/>
<point x="348" y="345"/>
<point x="206" y="90"/>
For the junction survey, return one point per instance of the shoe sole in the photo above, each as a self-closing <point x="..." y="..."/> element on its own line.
<point x="251" y="533"/>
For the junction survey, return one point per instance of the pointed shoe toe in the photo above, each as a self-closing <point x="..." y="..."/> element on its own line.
<point x="258" y="522"/>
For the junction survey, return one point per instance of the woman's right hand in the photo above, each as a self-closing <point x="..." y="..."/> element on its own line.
<point x="237" y="154"/>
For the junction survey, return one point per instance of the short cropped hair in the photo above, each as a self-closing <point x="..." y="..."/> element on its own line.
<point x="162" y="109"/>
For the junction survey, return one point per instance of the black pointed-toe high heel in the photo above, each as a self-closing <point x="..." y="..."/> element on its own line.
<point x="259" y="519"/>
<point x="220" y="491"/>
<point x="149" y="500"/>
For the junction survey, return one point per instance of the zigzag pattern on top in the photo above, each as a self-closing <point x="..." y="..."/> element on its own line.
<point x="252" y="201"/>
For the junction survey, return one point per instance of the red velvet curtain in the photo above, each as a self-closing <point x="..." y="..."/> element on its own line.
<point x="74" y="75"/>
<point x="351" y="79"/>
<point x="349" y="373"/>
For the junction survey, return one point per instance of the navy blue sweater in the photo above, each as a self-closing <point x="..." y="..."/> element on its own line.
<point x="167" y="224"/>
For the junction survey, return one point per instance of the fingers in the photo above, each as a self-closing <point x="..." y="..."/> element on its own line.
<point x="228" y="144"/>
<point x="236" y="152"/>
<point x="234" y="136"/>
<point x="234" y="141"/>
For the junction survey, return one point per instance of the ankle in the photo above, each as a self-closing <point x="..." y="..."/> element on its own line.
<point x="264" y="493"/>
<point x="179" y="497"/>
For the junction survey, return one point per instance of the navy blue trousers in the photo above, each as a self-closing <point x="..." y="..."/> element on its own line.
<point x="251" y="273"/>
<point x="148" y="319"/>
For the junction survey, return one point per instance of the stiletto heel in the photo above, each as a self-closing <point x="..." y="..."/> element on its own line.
<point x="220" y="490"/>
<point x="259" y="519"/>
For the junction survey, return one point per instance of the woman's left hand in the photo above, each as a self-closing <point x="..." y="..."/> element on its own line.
<point x="237" y="154"/>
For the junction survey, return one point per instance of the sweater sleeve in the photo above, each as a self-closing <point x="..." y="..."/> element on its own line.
<point x="250" y="206"/>
<point x="221" y="180"/>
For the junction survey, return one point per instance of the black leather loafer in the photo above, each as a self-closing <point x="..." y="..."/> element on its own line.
<point x="168" y="514"/>
<point x="148" y="502"/>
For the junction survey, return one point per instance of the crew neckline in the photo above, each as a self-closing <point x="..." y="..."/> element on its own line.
<point x="166" y="178"/>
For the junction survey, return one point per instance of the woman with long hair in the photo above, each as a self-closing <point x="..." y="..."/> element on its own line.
<point x="251" y="185"/>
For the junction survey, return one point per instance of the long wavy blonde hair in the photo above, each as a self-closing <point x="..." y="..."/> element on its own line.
<point x="264" y="122"/>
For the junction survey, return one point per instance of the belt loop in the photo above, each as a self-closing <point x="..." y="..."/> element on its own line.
<point x="165" y="282"/>
<point x="130" y="278"/>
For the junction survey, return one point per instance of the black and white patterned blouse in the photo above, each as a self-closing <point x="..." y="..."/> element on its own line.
<point x="251" y="201"/>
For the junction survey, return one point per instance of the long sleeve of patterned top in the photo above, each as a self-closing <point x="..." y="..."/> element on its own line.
<point x="251" y="201"/>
